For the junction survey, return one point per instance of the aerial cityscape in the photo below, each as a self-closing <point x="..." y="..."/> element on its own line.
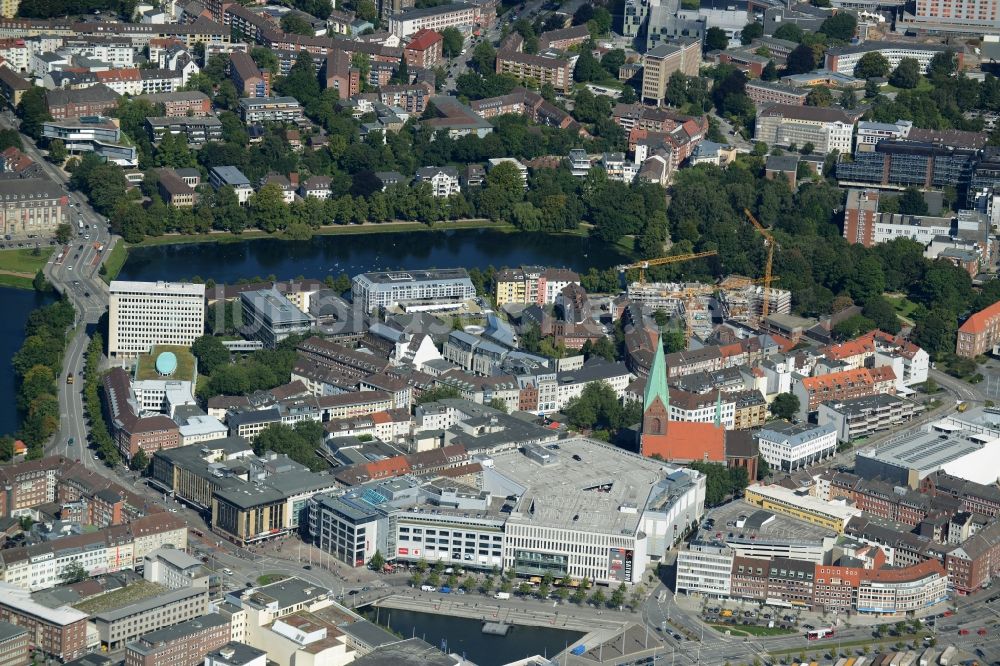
<point x="500" y="332"/>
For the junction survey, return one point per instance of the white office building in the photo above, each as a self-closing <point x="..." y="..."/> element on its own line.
<point x="434" y="289"/>
<point x="144" y="314"/>
<point x="705" y="568"/>
<point x="789" y="446"/>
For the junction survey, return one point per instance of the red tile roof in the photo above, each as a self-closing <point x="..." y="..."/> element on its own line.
<point x="423" y="39"/>
<point x="688" y="441"/>
<point x="979" y="322"/>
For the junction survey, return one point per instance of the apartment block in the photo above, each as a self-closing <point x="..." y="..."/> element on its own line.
<point x="659" y="63"/>
<point x="827" y="129"/>
<point x="145" y="314"/>
<point x="548" y="67"/>
<point x="186" y="103"/>
<point x="433" y="288"/>
<point x="425" y="49"/>
<point x="861" y="417"/>
<point x="184" y="644"/>
<point x="270" y="109"/>
<point x="13" y="645"/>
<point x="250" y="80"/>
<point x="536" y="285"/>
<point x="765" y="92"/>
<point x="94" y="100"/>
<point x="60" y="632"/>
<point x="843" y="385"/>
<point x="195" y="130"/>
<point x="980" y="333"/>
<point x="460" y="15"/>
<point x="790" y="446"/>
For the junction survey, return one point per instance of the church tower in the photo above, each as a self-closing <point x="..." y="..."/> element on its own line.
<point x="656" y="399"/>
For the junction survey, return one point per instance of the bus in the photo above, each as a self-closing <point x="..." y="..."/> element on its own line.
<point x="816" y="634"/>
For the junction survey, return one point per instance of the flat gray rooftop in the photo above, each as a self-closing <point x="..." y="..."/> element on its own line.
<point x="587" y="494"/>
<point x="922" y="451"/>
<point x="778" y="528"/>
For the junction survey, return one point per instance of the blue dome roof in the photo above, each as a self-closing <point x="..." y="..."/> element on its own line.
<point x="166" y="363"/>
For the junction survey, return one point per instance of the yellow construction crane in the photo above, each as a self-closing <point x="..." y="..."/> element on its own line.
<point x="662" y="261"/>
<point x="770" y="243"/>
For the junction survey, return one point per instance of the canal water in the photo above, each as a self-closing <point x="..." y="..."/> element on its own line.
<point x="16" y="304"/>
<point x="464" y="636"/>
<point x="352" y="254"/>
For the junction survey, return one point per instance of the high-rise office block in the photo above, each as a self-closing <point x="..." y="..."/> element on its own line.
<point x="144" y="314"/>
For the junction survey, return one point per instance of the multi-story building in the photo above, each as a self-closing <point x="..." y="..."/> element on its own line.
<point x="705" y="568"/>
<point x="443" y="180"/>
<point x="196" y="130"/>
<point x="250" y="80"/>
<point x="12" y="87"/>
<point x="117" y="627"/>
<point x="93" y="134"/>
<point x="174" y="569"/>
<point x="425" y="49"/>
<point x="861" y="417"/>
<point x="804" y="507"/>
<point x="863" y="224"/>
<point x="659" y="63"/>
<point x="75" y="102"/>
<point x="423" y="289"/>
<point x="173" y="189"/>
<point x="13" y="645"/>
<point x="547" y="67"/>
<point x="184" y="644"/>
<point x="60" y="632"/>
<point x="461" y="15"/>
<point x="765" y="92"/>
<point x="898" y="164"/>
<point x="827" y="129"/>
<point x="347" y="527"/>
<point x="980" y="333"/>
<point x="270" y="109"/>
<point x="869" y="133"/>
<point x="843" y="59"/>
<point x="843" y="385"/>
<point x="270" y="317"/>
<point x="185" y="103"/>
<point x="144" y="314"/>
<point x="532" y="285"/>
<point x="31" y="206"/>
<point x="790" y="446"/>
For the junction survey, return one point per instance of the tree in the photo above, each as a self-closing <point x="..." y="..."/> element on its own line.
<point x="872" y="64"/>
<point x="57" y="151"/>
<point x="10" y="138"/>
<point x="588" y="68"/>
<point x="484" y="57"/>
<point x="841" y="26"/>
<point x="296" y="24"/>
<point x="790" y="32"/>
<point x="770" y="72"/>
<point x="63" y="233"/>
<point x="598" y="598"/>
<point x="618" y="596"/>
<point x="912" y="202"/>
<point x="437" y="393"/>
<point x="301" y="82"/>
<point x="33" y="111"/>
<point x="39" y="283"/>
<point x="785" y="406"/>
<point x="451" y="41"/>
<point x="73" y="573"/>
<point x="819" y="96"/>
<point x="211" y="354"/>
<point x="377" y="562"/>
<point x="942" y="65"/>
<point x="139" y="461"/>
<point x="498" y="404"/>
<point x="716" y="39"/>
<point x="265" y="59"/>
<point x="907" y="74"/>
<point x="750" y="32"/>
<point x="802" y="59"/>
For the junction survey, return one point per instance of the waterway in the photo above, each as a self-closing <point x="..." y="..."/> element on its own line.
<point x="17" y="304"/>
<point x="352" y="254"/>
<point x="464" y="636"/>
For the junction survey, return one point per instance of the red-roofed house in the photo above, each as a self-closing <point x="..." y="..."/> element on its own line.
<point x="980" y="332"/>
<point x="426" y="49"/>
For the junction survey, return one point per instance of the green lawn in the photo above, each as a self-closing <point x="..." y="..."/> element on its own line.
<point x="185" y="363"/>
<point x="114" y="261"/>
<point x="924" y="84"/>
<point x="24" y="261"/>
<point x="267" y="579"/>
<point x="752" y="630"/>
<point x="15" y="281"/>
<point x="904" y="307"/>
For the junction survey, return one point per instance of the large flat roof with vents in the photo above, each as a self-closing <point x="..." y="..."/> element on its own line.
<point x="918" y="451"/>
<point x="605" y="490"/>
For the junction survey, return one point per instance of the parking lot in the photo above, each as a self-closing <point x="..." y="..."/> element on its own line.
<point x="742" y="518"/>
<point x="749" y="614"/>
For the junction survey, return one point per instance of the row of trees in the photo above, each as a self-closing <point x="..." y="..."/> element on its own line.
<point x="100" y="437"/>
<point x="37" y="366"/>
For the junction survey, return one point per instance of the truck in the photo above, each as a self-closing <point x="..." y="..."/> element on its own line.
<point x="502" y="595"/>
<point x="949" y="656"/>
